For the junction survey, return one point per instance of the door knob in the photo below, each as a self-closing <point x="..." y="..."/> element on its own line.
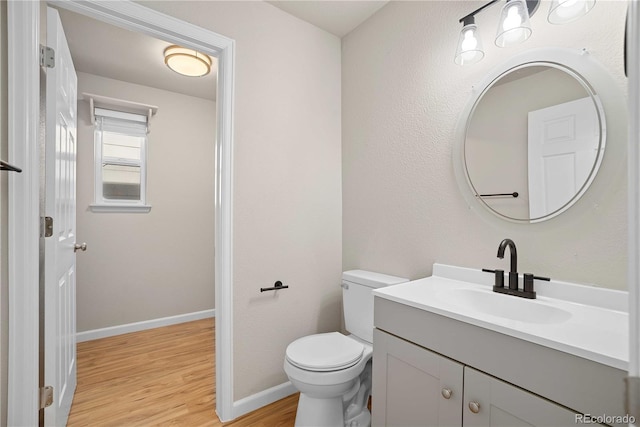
<point x="79" y="247"/>
<point x="446" y="393"/>
<point x="474" y="407"/>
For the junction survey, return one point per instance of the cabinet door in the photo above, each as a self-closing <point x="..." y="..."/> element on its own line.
<point x="410" y="384"/>
<point x="502" y="404"/>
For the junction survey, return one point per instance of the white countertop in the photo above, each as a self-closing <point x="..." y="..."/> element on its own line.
<point x="585" y="321"/>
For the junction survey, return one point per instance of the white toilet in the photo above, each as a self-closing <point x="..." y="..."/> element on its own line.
<point x="332" y="370"/>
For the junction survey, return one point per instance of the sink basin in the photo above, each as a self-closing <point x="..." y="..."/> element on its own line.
<point x="505" y="306"/>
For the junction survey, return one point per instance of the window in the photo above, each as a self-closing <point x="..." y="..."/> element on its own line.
<point x="120" y="161"/>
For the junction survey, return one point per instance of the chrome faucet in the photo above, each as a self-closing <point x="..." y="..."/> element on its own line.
<point x="513" y="271"/>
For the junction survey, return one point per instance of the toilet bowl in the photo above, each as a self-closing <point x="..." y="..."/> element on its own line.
<point x="332" y="371"/>
<point x="329" y="390"/>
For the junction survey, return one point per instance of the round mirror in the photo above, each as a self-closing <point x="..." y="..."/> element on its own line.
<point x="533" y="142"/>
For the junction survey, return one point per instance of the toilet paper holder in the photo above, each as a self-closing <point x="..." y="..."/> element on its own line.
<point x="276" y="286"/>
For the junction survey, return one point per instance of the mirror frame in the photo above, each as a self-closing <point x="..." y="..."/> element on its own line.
<point x="597" y="80"/>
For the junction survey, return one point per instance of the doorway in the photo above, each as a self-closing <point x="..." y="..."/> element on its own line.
<point x="148" y="261"/>
<point x="145" y="186"/>
<point x="24" y="24"/>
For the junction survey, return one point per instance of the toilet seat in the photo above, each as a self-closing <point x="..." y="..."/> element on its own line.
<point x="324" y="352"/>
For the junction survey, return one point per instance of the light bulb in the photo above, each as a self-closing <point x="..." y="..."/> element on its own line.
<point x="511" y="26"/>
<point x="562" y="12"/>
<point x="513" y="19"/>
<point x="514" y="25"/>
<point x="469" y="45"/>
<point x="469" y="49"/>
<point x="469" y="41"/>
<point x="568" y="9"/>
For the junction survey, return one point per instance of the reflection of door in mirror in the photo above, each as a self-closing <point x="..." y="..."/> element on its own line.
<point x="496" y="147"/>
<point x="563" y="146"/>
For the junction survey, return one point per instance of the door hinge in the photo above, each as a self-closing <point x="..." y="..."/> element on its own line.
<point x="46" y="226"/>
<point x="632" y="398"/>
<point x="46" y="396"/>
<point x="47" y="57"/>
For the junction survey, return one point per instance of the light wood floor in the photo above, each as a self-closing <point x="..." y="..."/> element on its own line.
<point x="162" y="376"/>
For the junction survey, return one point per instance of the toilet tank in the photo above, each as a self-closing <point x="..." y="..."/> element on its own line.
<point x="357" y="300"/>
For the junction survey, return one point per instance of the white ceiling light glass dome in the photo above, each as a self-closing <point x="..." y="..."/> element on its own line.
<point x="187" y="62"/>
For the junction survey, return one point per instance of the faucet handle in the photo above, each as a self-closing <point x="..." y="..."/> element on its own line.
<point x="528" y="282"/>
<point x="528" y="291"/>
<point x="499" y="280"/>
<point x="499" y="277"/>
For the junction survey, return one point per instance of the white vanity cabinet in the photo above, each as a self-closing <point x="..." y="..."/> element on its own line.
<point x="418" y="353"/>
<point x="417" y="387"/>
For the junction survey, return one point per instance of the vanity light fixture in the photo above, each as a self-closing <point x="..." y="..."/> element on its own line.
<point x="563" y="11"/>
<point x="469" y="44"/>
<point x="187" y="62"/>
<point x="514" y="26"/>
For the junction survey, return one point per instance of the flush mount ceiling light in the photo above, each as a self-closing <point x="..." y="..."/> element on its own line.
<point x="187" y="62"/>
<point x="514" y="26"/>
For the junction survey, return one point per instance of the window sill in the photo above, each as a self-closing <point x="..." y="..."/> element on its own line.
<point x="120" y="208"/>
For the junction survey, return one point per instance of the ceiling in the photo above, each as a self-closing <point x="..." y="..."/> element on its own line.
<point x="109" y="51"/>
<point x="336" y="17"/>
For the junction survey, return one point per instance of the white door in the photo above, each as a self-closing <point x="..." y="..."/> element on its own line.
<point x="60" y="204"/>
<point x="563" y="146"/>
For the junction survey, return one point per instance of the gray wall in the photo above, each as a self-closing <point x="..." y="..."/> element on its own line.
<point x="402" y="93"/>
<point x="143" y="266"/>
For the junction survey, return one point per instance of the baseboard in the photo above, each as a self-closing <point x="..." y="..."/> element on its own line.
<point x="144" y="325"/>
<point x="263" y="398"/>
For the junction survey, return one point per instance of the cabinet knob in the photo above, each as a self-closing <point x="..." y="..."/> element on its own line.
<point x="446" y="393"/>
<point x="474" y="407"/>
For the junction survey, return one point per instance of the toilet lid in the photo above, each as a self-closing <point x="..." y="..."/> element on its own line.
<point x="324" y="352"/>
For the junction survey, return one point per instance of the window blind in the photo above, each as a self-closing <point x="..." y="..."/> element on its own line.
<point x="121" y="122"/>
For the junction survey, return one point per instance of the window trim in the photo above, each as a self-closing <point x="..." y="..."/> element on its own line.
<point x="101" y="204"/>
<point x="120" y="208"/>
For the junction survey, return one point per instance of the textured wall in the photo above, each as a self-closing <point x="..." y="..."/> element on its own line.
<point x="142" y="266"/>
<point x="402" y="94"/>
<point x="287" y="180"/>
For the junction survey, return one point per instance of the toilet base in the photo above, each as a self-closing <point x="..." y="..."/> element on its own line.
<point x="345" y="410"/>
<point x="314" y="412"/>
<point x="363" y="419"/>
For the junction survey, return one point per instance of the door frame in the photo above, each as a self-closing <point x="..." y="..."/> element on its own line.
<point x="633" y="196"/>
<point x="24" y="224"/>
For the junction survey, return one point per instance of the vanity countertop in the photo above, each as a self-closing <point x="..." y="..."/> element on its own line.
<point x="585" y="321"/>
